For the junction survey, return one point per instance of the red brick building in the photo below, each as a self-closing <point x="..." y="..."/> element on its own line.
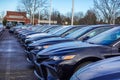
<point x="13" y="16"/>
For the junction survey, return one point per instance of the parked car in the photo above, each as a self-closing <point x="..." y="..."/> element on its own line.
<point x="52" y="33"/>
<point x="11" y="30"/>
<point x="60" y="59"/>
<point x="107" y="69"/>
<point x="24" y="29"/>
<point x="44" y="30"/>
<point x="73" y="35"/>
<point x="29" y="31"/>
<point x="47" y="34"/>
<point x="36" y="41"/>
<point x="36" y="46"/>
<point x="1" y="28"/>
<point x="9" y="25"/>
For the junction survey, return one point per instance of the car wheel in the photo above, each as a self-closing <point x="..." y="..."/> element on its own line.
<point x="82" y="65"/>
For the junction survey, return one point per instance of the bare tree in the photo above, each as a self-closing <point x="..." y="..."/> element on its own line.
<point x="2" y="14"/>
<point x="77" y="17"/>
<point x="117" y="21"/>
<point x="107" y="9"/>
<point x="54" y="14"/>
<point x="68" y="14"/>
<point x="90" y="17"/>
<point x="45" y="14"/>
<point x="32" y="6"/>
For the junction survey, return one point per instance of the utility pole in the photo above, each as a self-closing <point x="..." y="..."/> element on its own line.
<point x="39" y="17"/>
<point x="50" y="12"/>
<point x="72" y="13"/>
<point x="33" y="11"/>
<point x="114" y="17"/>
<point x="31" y="14"/>
<point x="39" y="12"/>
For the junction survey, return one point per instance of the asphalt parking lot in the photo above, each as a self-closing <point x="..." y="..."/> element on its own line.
<point x="13" y="63"/>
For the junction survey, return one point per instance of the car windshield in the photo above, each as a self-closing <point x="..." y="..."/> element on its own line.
<point x="107" y="37"/>
<point x="35" y="28"/>
<point x="62" y="31"/>
<point x="39" y="28"/>
<point x="78" y="33"/>
<point x="93" y="33"/>
<point x="45" y="28"/>
<point x="53" y="29"/>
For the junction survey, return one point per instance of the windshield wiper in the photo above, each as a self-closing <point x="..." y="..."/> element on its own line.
<point x="91" y="43"/>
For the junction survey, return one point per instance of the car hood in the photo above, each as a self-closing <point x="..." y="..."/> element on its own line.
<point x="37" y="34"/>
<point x="49" y="41"/>
<point x="98" y="69"/>
<point x="68" y="47"/>
<point x="36" y="38"/>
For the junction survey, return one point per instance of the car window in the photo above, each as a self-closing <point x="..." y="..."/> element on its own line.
<point x="40" y="29"/>
<point x="45" y="28"/>
<point x="51" y="31"/>
<point x="94" y="32"/>
<point x="107" y="37"/>
<point x="70" y="31"/>
<point x="78" y="32"/>
<point x="62" y="31"/>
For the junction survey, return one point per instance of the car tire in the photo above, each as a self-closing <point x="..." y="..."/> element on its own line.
<point x="82" y="65"/>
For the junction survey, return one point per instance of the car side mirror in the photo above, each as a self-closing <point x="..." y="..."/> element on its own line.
<point x="85" y="38"/>
<point x="64" y="34"/>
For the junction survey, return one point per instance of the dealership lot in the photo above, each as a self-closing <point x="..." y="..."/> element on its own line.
<point x="13" y="63"/>
<point x="42" y="40"/>
<point x="50" y="52"/>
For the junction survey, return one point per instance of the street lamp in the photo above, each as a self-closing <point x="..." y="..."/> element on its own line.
<point x="50" y="12"/>
<point x="114" y="17"/>
<point x="39" y="17"/>
<point x="33" y="11"/>
<point x="72" y="12"/>
<point x="39" y="12"/>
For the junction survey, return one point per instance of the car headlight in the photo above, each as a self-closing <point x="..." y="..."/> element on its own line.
<point x="56" y="58"/>
<point x="46" y="46"/>
<point x="67" y="57"/>
<point x="38" y="47"/>
<point x="41" y="47"/>
<point x="27" y="41"/>
<point x="27" y="37"/>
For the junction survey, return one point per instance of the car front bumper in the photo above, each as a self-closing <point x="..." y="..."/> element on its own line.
<point x="51" y="69"/>
<point x="32" y="55"/>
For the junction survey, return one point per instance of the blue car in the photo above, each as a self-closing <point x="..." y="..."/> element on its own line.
<point x="108" y="69"/>
<point x="58" y="60"/>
